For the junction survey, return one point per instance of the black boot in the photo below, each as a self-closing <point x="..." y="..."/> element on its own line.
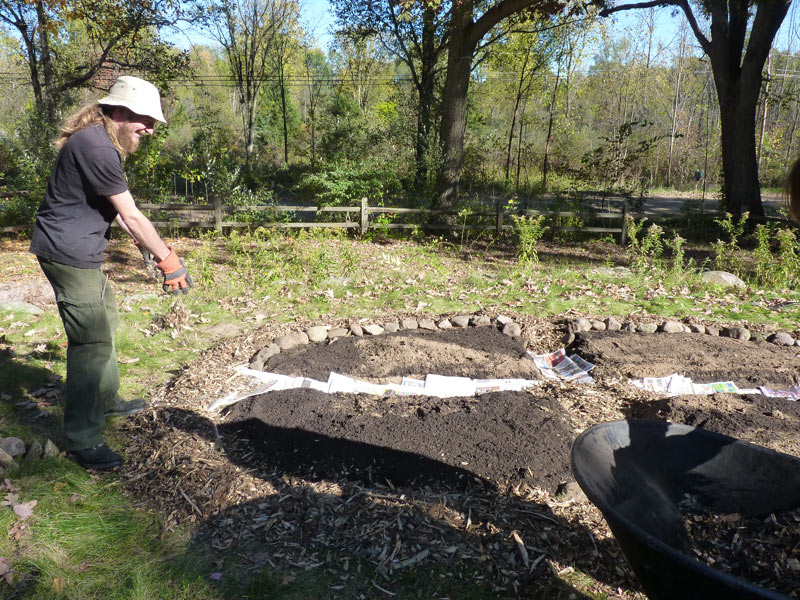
<point x="97" y="457"/>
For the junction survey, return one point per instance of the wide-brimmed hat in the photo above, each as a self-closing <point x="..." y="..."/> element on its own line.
<point x="137" y="95"/>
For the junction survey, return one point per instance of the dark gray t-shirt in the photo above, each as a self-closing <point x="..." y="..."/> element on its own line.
<point x="73" y="224"/>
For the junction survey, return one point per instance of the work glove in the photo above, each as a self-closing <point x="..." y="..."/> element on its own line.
<point x="152" y="271"/>
<point x="176" y="277"/>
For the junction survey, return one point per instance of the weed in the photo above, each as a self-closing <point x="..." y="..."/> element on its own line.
<point x="676" y="245"/>
<point x="646" y="253"/>
<point x="725" y="252"/>
<point x="529" y="231"/>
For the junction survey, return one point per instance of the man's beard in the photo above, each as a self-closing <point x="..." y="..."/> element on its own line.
<point x="129" y="141"/>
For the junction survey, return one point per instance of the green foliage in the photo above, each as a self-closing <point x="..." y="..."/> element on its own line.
<point x="646" y="252"/>
<point x="725" y="251"/>
<point x="676" y="244"/>
<point x="529" y="231"/>
<point x="345" y="185"/>
<point x="776" y="257"/>
<point x="619" y="166"/>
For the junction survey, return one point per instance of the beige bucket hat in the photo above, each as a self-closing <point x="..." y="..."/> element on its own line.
<point x="137" y="95"/>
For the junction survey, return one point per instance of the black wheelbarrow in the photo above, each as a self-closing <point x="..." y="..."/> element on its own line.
<point x="637" y="472"/>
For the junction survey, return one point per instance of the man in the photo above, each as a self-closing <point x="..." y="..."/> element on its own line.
<point x="86" y="192"/>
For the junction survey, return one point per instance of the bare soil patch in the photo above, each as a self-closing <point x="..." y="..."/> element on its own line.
<point x="477" y="488"/>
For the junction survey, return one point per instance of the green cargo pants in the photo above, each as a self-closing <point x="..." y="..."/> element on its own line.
<point x="89" y="312"/>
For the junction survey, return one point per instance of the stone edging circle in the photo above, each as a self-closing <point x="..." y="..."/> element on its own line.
<point x="322" y="333"/>
<point x="779" y="338"/>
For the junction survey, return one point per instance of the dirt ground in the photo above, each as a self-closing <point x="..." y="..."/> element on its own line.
<point x="478" y="488"/>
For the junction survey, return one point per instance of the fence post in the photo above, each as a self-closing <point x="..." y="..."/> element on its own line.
<point x="499" y="221"/>
<point x="623" y="237"/>
<point x="218" y="214"/>
<point x="364" y="216"/>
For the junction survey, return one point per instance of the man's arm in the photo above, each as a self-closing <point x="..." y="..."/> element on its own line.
<point x="132" y="220"/>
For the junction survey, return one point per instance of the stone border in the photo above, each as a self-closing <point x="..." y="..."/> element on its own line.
<point x="580" y="325"/>
<point x="507" y="326"/>
<point x="322" y="333"/>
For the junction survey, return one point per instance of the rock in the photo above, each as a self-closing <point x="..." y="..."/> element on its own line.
<point x="598" y="325"/>
<point x="757" y="336"/>
<point x="697" y="328"/>
<point x="391" y="327"/>
<point x="21" y="307"/>
<point x="711" y="330"/>
<point x="580" y="325"/>
<point x="292" y="340"/>
<point x="781" y="338"/>
<point x="50" y="450"/>
<point x="409" y="323"/>
<point x="503" y="320"/>
<point x="571" y="491"/>
<point x="337" y="332"/>
<point x="262" y="356"/>
<point x="460" y="321"/>
<point x="647" y="328"/>
<point x="444" y="324"/>
<point x="356" y="330"/>
<point x="35" y="451"/>
<point x="672" y="327"/>
<point x="319" y="333"/>
<point x="14" y="446"/>
<point x="567" y="338"/>
<point x="512" y="329"/>
<point x="737" y="333"/>
<point x="613" y="324"/>
<point x="34" y="292"/>
<point x="6" y="460"/>
<point x="614" y="271"/>
<point x="628" y="326"/>
<point x="480" y="321"/>
<point x="373" y="329"/>
<point x="723" y="278"/>
<point x="427" y="324"/>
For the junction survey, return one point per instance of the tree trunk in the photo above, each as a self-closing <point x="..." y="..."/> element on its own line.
<point x="454" y="103"/>
<point x="742" y="190"/>
<point x="426" y="83"/>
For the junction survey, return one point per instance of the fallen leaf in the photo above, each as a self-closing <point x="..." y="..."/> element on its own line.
<point x="25" y="509"/>
<point x="58" y="485"/>
<point x="58" y="585"/>
<point x="5" y="570"/>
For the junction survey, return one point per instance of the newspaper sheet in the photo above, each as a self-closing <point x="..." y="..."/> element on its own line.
<point x="557" y="365"/>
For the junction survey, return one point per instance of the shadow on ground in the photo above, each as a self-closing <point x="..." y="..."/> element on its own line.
<point x="343" y="519"/>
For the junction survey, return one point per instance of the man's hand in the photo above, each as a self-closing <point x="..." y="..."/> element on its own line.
<point x="152" y="271"/>
<point x="176" y="277"/>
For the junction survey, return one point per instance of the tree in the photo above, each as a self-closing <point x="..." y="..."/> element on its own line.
<point x="741" y="36"/>
<point x="416" y="34"/>
<point x="68" y="44"/>
<point x="470" y="21"/>
<point x="247" y="30"/>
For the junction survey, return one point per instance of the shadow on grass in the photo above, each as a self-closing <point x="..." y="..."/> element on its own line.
<point x="335" y="518"/>
<point x="19" y="381"/>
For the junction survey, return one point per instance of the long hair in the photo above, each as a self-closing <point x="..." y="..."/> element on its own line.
<point x="88" y="115"/>
<point x="791" y="190"/>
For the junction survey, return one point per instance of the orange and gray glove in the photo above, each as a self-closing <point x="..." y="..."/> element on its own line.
<point x="176" y="277"/>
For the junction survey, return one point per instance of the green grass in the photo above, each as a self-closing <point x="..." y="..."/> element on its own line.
<point x="88" y="540"/>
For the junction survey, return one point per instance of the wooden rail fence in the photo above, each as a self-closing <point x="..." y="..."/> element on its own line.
<point x="213" y="216"/>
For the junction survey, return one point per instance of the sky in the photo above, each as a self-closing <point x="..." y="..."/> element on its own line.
<point x="318" y="20"/>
